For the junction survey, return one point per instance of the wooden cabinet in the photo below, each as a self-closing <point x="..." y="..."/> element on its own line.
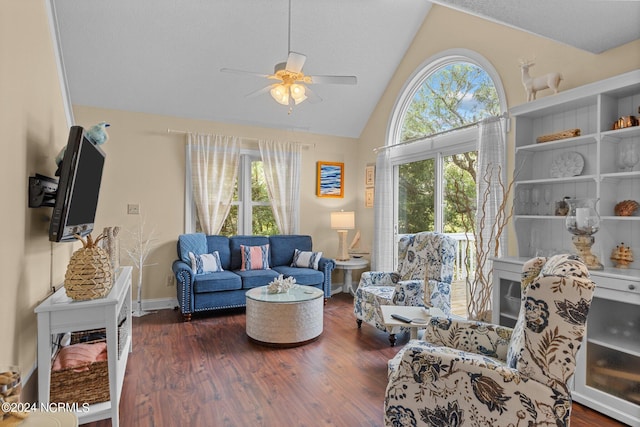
<point x="59" y="314"/>
<point x="586" y="166"/>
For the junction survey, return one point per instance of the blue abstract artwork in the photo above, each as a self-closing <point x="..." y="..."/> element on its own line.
<point x="330" y="179"/>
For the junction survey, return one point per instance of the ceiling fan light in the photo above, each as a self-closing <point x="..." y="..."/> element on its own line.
<point x="298" y="93"/>
<point x="280" y="93"/>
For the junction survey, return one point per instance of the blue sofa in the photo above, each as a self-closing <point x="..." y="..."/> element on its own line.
<point x="227" y="288"/>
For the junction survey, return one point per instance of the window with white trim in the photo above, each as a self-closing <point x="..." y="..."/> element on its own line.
<point x="250" y="212"/>
<point x="434" y="167"/>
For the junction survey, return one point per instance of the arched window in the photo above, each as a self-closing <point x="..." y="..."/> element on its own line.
<point x="432" y="144"/>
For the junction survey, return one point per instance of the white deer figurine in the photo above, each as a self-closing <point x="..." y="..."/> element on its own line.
<point x="532" y="85"/>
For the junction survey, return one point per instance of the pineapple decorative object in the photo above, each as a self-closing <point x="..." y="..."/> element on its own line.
<point x="89" y="273"/>
<point x="622" y="256"/>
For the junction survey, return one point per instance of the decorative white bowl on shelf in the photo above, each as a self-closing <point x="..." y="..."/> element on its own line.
<point x="567" y="164"/>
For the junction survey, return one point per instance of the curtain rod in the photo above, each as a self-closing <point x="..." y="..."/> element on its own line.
<point x="411" y="141"/>
<point x="184" y="132"/>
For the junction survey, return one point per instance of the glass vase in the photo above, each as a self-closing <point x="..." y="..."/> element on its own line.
<point x="583" y="221"/>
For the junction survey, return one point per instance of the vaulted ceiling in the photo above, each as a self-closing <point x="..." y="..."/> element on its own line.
<point x="164" y="56"/>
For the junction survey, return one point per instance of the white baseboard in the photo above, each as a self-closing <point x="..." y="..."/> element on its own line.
<point x="156" y="304"/>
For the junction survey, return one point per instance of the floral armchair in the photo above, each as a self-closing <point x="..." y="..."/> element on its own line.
<point x="422" y="255"/>
<point x="473" y="373"/>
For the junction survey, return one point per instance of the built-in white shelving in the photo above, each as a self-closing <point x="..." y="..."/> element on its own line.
<point x="608" y="373"/>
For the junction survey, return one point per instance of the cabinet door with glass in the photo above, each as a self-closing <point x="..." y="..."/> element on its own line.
<point x="610" y="380"/>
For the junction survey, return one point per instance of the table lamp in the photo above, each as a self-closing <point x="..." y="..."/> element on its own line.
<point x="343" y="221"/>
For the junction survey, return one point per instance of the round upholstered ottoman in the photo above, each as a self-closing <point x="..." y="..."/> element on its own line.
<point x="286" y="319"/>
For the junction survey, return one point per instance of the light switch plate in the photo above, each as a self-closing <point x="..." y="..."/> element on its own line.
<point x="133" y="209"/>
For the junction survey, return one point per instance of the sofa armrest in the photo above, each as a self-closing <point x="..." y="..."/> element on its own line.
<point x="378" y="278"/>
<point x="471" y="336"/>
<point x="184" y="285"/>
<point x="326" y="265"/>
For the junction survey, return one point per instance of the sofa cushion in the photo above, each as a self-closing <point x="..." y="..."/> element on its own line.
<point x="220" y="244"/>
<point x="283" y="247"/>
<point x="205" y="263"/>
<point x="193" y="242"/>
<point x="234" y="246"/>
<point x="214" y="282"/>
<point x="254" y="278"/>
<point x="303" y="276"/>
<point x="306" y="259"/>
<point x="254" y="257"/>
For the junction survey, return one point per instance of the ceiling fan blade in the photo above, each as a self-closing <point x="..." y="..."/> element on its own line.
<point x="259" y="92"/>
<point x="312" y="97"/>
<point x="336" y="80"/>
<point x="295" y="62"/>
<point x="234" y="71"/>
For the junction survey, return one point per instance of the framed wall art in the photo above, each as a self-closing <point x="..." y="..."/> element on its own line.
<point x="369" y="175"/>
<point x="330" y="179"/>
<point x="368" y="197"/>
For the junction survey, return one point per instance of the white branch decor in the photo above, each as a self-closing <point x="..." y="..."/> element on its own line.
<point x="138" y="252"/>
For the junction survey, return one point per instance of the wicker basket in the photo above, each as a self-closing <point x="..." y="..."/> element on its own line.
<point x="90" y="386"/>
<point x="89" y="273"/>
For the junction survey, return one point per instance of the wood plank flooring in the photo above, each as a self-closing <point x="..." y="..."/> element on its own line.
<point x="207" y="373"/>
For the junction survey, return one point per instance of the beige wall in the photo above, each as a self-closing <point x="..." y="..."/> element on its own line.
<point x="145" y="164"/>
<point x="32" y="126"/>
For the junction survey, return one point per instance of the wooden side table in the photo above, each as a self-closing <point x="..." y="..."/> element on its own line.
<point x="348" y="266"/>
<point x="59" y="314"/>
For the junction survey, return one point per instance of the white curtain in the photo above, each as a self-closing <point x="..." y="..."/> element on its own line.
<point x="491" y="187"/>
<point x="383" y="253"/>
<point x="281" y="164"/>
<point x="214" y="170"/>
<point x="491" y="174"/>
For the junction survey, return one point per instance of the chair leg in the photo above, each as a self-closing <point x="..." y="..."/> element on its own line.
<point x="392" y="339"/>
<point x="359" y="322"/>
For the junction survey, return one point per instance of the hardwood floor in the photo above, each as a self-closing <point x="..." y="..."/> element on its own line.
<point x="207" y="373"/>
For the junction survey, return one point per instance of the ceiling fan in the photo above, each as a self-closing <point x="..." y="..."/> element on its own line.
<point x="290" y="86"/>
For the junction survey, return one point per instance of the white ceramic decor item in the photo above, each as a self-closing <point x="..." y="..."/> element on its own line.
<point x="567" y="164"/>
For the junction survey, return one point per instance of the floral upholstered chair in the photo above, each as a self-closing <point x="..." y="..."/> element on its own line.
<point x="422" y="255"/>
<point x="477" y="374"/>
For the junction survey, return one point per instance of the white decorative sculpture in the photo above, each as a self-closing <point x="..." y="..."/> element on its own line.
<point x="532" y="85"/>
<point x="281" y="285"/>
<point x="138" y="251"/>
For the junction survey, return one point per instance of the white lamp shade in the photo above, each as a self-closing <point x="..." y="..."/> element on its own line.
<point x="343" y="220"/>
<point x="280" y="93"/>
<point x="298" y="93"/>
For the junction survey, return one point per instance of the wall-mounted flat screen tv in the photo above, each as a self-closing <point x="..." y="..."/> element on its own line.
<point x="78" y="188"/>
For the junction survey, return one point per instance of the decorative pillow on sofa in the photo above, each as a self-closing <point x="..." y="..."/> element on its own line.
<point x="306" y="259"/>
<point x="205" y="263"/>
<point x="254" y="257"/>
<point x="193" y="242"/>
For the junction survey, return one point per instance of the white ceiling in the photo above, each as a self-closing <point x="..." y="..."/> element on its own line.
<point x="164" y="56"/>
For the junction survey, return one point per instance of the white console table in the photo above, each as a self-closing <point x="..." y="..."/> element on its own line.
<point x="59" y="314"/>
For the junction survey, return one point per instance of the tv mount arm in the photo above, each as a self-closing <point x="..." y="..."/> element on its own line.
<point x="42" y="191"/>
